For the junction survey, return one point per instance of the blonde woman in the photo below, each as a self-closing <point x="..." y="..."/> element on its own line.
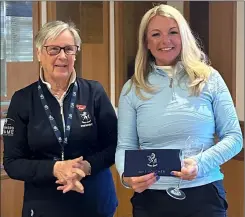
<point x="175" y="94"/>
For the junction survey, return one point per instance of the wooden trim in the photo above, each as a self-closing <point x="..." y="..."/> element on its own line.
<point x="240" y="156"/>
<point x="187" y="11"/>
<point x="119" y="48"/>
<point x="39" y="14"/>
<point x="233" y="50"/>
<point x="106" y="42"/>
<point x="36" y="25"/>
<point x="51" y="11"/>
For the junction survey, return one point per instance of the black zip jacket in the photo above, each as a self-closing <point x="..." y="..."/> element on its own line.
<point x="31" y="148"/>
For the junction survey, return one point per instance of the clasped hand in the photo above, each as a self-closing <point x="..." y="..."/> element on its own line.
<point x="69" y="174"/>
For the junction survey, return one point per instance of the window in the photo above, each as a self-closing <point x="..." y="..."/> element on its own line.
<point x="20" y="21"/>
<point x="16" y="36"/>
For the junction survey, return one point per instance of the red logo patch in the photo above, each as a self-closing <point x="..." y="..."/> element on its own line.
<point x="81" y="107"/>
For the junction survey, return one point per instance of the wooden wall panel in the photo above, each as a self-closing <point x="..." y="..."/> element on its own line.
<point x="234" y="185"/>
<point x="95" y="56"/>
<point x="93" y="59"/>
<point x="200" y="27"/>
<point x="12" y="192"/>
<point x="222" y="41"/>
<point x="95" y="64"/>
<point x="222" y="52"/>
<point x="92" y="22"/>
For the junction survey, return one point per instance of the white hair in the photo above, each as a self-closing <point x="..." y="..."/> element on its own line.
<point x="53" y="29"/>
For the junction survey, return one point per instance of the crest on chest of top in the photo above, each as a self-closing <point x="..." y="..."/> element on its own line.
<point x="85" y="117"/>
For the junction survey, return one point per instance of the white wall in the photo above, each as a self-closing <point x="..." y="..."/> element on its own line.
<point x="240" y="61"/>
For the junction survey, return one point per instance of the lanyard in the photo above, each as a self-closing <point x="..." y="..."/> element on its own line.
<point x="52" y="121"/>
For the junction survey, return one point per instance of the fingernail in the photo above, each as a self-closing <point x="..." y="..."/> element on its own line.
<point x="172" y="173"/>
<point x="157" y="178"/>
<point x="155" y="173"/>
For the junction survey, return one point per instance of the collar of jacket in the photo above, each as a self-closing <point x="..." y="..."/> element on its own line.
<point x="71" y="81"/>
<point x="155" y="69"/>
<point x="46" y="86"/>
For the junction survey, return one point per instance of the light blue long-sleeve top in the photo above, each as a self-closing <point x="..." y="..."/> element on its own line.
<point x="171" y="115"/>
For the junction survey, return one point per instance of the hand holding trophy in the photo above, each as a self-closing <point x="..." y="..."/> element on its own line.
<point x="192" y="148"/>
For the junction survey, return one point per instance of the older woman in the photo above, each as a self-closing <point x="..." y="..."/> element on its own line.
<point x="65" y="132"/>
<point x="175" y="94"/>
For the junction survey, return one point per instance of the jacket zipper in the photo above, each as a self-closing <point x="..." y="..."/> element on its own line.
<point x="171" y="83"/>
<point x="63" y="121"/>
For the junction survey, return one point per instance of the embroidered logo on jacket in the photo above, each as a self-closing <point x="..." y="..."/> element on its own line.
<point x="85" y="116"/>
<point x="81" y="107"/>
<point x="8" y="128"/>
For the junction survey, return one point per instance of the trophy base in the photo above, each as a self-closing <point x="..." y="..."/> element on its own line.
<point x="176" y="193"/>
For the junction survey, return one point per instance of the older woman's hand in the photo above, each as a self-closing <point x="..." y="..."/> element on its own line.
<point x="69" y="172"/>
<point x="188" y="171"/>
<point x="73" y="182"/>
<point x="141" y="183"/>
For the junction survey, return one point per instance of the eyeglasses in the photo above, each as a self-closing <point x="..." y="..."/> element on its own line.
<point x="55" y="50"/>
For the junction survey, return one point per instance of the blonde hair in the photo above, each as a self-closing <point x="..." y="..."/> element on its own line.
<point x="192" y="57"/>
<point x="52" y="30"/>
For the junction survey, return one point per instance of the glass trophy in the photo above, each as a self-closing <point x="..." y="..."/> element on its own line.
<point x="192" y="148"/>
